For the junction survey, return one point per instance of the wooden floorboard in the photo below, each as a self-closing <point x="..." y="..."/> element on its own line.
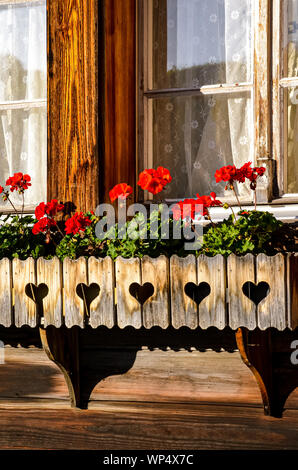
<point x="168" y="400"/>
<point x="114" y="425"/>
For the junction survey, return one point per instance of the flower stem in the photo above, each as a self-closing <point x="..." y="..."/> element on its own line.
<point x="237" y="198"/>
<point x="14" y="208"/>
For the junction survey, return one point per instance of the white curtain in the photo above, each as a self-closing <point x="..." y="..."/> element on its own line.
<point x="208" y="42"/>
<point x="23" y="130"/>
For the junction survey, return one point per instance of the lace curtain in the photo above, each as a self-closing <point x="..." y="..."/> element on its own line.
<point x="196" y="43"/>
<point x="23" y="127"/>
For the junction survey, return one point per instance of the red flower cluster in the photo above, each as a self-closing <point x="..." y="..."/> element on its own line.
<point x="43" y="225"/>
<point x="1" y="189"/>
<point x="230" y="174"/>
<point x="190" y="207"/>
<point x="77" y="223"/>
<point x="154" y="181"/>
<point x="44" y="214"/>
<point x="121" y="190"/>
<point x="19" y="182"/>
<point x="51" y="209"/>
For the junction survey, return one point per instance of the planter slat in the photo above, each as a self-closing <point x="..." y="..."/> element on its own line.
<point x="272" y="309"/>
<point x="212" y="309"/>
<point x="102" y="308"/>
<point x="180" y="292"/>
<point x="74" y="273"/>
<point x="25" y="309"/>
<point x="129" y="312"/>
<point x="49" y="272"/>
<point x="6" y="317"/>
<point x="292" y="290"/>
<point x="242" y="310"/>
<point x="156" y="308"/>
<point x="184" y="310"/>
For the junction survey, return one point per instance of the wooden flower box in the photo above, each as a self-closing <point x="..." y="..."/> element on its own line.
<point x="90" y="303"/>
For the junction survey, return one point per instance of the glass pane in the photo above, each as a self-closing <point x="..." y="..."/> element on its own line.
<point x="292" y="140"/>
<point x="201" y="42"/>
<point x="23" y="66"/>
<point x="195" y="135"/>
<point x="23" y="141"/>
<point x="291" y="66"/>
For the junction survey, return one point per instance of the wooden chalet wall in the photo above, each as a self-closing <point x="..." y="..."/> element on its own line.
<point x="91" y="99"/>
<point x="169" y="399"/>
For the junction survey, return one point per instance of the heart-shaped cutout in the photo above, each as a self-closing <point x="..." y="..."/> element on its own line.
<point x="141" y="292"/>
<point x="256" y="293"/>
<point x="88" y="293"/>
<point x="197" y="293"/>
<point x="36" y="293"/>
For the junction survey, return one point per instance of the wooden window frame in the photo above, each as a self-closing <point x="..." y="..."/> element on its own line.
<point x="279" y="89"/>
<point x="93" y="99"/>
<point x="268" y="113"/>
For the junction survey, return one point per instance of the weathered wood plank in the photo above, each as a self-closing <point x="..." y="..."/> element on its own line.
<point x="51" y="425"/>
<point x="212" y="309"/>
<point x="242" y="310"/>
<point x="272" y="310"/>
<point x="73" y="169"/>
<point x="6" y="317"/>
<point x="102" y="309"/>
<point x="156" y="311"/>
<point x="184" y="310"/>
<point x="292" y="290"/>
<point x="49" y="272"/>
<point x="74" y="273"/>
<point x="25" y="309"/>
<point x="120" y="91"/>
<point x="129" y="312"/>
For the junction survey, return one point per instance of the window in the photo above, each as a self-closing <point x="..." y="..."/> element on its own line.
<point x="285" y="80"/>
<point x="23" y="90"/>
<point x="218" y="84"/>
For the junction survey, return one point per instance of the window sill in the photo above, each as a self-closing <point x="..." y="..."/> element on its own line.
<point x="281" y="210"/>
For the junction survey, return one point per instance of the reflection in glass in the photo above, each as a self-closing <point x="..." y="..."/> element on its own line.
<point x="201" y="42"/>
<point x="292" y="139"/>
<point x="195" y="135"/>
<point x="291" y="67"/>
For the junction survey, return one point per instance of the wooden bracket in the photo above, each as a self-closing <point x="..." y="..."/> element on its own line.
<point x="87" y="356"/>
<point x="268" y="355"/>
<point x="83" y="367"/>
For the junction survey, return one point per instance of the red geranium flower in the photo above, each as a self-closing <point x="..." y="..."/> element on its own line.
<point x="230" y="174"/>
<point x="226" y="173"/>
<point x="154" y="181"/>
<point x="191" y="207"/>
<point x="121" y="190"/>
<point x="183" y="209"/>
<point x="164" y="174"/>
<point x="19" y="182"/>
<point x="78" y="222"/>
<point x="1" y="189"/>
<point x="43" y="225"/>
<point x="51" y="209"/>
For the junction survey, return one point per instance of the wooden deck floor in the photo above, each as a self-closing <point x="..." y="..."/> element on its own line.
<point x="168" y="400"/>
